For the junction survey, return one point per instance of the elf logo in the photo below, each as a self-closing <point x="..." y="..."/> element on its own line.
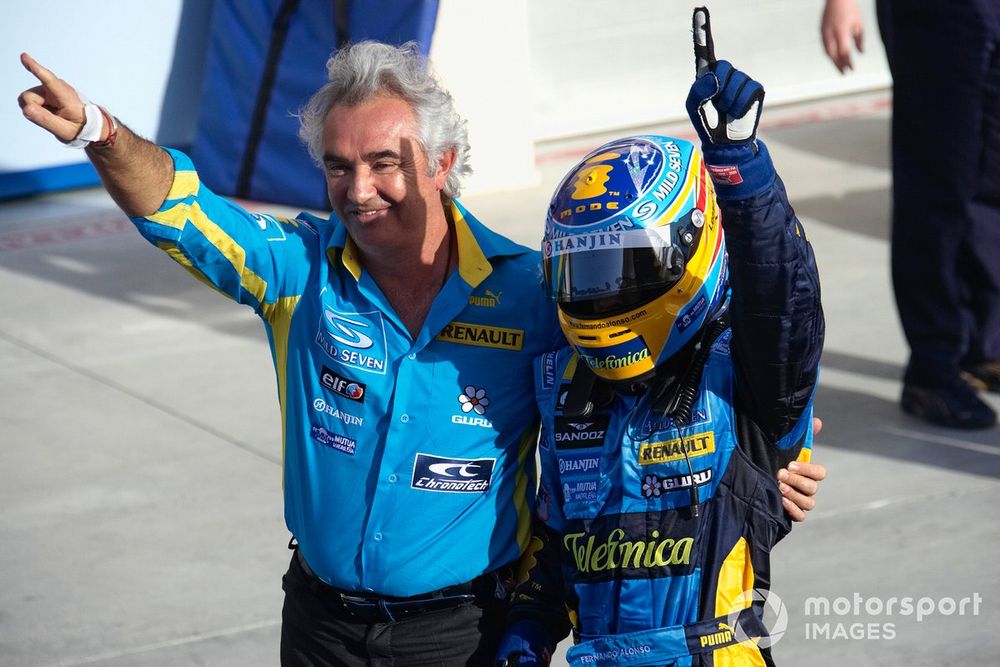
<point x="343" y="386"/>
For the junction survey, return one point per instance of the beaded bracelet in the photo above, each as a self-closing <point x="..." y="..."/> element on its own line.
<point x="112" y="137"/>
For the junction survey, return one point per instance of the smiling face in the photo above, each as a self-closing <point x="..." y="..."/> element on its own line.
<point x="377" y="176"/>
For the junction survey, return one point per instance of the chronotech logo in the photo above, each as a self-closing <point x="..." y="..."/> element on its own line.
<point x="436" y="473"/>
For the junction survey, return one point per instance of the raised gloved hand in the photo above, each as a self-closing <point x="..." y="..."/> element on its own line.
<point x="725" y="106"/>
<point x="525" y="644"/>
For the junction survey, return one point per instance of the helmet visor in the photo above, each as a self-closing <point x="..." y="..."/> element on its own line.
<point x="616" y="269"/>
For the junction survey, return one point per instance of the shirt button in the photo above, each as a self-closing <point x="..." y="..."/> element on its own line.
<point x="404" y="418"/>
<point x="377" y="537"/>
<point x="392" y="478"/>
<point x="411" y="356"/>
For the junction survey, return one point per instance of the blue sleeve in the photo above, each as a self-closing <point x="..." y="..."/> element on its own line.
<point x="539" y="601"/>
<point x="776" y="314"/>
<point x="254" y="259"/>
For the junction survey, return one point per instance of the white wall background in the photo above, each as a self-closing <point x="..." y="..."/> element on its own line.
<point x="524" y="72"/>
<point x="621" y="63"/>
<point x="520" y="71"/>
<point x="116" y="52"/>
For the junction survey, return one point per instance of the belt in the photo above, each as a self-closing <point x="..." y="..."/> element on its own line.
<point x="373" y="608"/>
<point x="667" y="645"/>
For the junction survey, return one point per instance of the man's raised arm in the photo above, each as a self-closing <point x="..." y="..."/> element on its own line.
<point x="136" y="172"/>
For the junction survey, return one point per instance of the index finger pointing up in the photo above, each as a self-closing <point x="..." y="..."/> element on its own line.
<point x="36" y="68"/>
<point x="704" y="47"/>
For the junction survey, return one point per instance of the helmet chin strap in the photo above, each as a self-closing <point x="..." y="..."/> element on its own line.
<point x="674" y="389"/>
<point x="586" y="394"/>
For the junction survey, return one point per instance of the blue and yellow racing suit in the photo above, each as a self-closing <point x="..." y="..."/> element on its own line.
<point x="646" y="579"/>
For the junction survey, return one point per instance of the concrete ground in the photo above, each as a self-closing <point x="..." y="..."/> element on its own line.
<point x="140" y="490"/>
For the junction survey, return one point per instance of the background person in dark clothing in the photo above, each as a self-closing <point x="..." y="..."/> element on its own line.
<point x="945" y="63"/>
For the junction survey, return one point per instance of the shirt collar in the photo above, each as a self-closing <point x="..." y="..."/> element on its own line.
<point x="477" y="245"/>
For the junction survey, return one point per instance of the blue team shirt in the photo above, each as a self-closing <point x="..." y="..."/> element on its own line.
<point x="409" y="462"/>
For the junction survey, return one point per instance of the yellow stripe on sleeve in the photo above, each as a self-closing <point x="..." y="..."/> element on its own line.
<point x="186" y="184"/>
<point x="177" y="217"/>
<point x="525" y="448"/>
<point x="175" y="254"/>
<point x="279" y="317"/>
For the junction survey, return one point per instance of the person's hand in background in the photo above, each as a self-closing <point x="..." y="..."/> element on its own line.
<point x="840" y="26"/>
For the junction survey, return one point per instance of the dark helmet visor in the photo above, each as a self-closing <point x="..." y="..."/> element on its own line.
<point x="606" y="273"/>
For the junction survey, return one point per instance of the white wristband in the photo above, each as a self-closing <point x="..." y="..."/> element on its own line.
<point x="91" y="128"/>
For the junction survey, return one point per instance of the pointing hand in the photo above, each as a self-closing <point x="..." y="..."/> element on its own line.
<point x="54" y="105"/>
<point x="724" y="103"/>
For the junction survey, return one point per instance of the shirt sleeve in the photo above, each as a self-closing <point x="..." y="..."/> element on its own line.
<point x="539" y="594"/>
<point x="253" y="259"/>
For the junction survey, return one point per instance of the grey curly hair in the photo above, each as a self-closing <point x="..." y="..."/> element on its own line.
<point x="359" y="72"/>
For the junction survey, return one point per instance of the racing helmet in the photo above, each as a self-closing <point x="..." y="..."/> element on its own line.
<point x="634" y="255"/>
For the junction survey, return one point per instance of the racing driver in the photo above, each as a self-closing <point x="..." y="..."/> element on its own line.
<point x="690" y="299"/>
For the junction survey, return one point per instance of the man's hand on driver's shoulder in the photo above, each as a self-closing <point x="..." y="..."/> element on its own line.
<point x="799" y="482"/>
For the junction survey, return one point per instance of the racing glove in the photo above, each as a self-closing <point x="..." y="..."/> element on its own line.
<point x="525" y="644"/>
<point x="725" y="106"/>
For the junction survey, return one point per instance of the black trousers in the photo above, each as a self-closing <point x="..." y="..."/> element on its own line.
<point x="318" y="630"/>
<point x="945" y="62"/>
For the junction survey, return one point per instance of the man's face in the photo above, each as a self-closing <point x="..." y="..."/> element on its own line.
<point x="377" y="176"/>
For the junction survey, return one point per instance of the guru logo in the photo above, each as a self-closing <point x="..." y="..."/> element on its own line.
<point x="474" y="400"/>
<point x="654" y="485"/>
